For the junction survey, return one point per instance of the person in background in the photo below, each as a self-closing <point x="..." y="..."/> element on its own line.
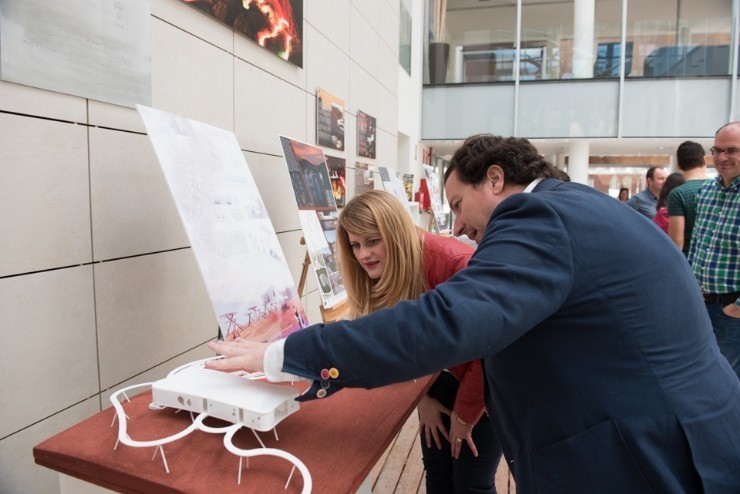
<point x="624" y="194"/>
<point x="682" y="201"/>
<point x="715" y="244"/>
<point x="384" y="258"/>
<point x="599" y="357"/>
<point x="644" y="201"/>
<point x="661" y="214"/>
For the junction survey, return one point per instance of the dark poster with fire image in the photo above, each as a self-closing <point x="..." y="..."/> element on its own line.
<point x="274" y="24"/>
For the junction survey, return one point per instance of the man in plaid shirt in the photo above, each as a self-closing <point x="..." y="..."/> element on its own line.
<point x="715" y="245"/>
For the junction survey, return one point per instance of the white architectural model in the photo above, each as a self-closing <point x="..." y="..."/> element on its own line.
<point x="237" y="398"/>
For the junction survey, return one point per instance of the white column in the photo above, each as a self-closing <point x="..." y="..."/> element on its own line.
<point x="583" y="38"/>
<point x="578" y="161"/>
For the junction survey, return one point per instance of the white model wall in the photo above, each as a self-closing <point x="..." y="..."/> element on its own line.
<point x="99" y="288"/>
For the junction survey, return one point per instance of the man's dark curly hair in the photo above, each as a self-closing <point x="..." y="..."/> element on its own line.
<point x="517" y="157"/>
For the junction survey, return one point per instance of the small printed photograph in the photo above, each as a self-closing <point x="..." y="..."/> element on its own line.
<point x="309" y="175"/>
<point x="337" y="175"/>
<point x="366" y="135"/>
<point x="329" y="120"/>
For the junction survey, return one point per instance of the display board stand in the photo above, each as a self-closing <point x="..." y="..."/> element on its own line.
<point x="336" y="313"/>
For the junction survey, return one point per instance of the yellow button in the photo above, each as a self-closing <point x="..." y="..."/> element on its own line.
<point x="333" y="373"/>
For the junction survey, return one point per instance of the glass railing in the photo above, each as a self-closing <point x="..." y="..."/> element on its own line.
<point x="660" y="48"/>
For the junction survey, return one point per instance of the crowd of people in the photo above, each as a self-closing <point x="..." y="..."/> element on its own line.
<point x="689" y="201"/>
<point x="605" y="352"/>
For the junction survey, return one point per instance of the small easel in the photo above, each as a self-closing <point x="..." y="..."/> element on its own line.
<point x="336" y="313"/>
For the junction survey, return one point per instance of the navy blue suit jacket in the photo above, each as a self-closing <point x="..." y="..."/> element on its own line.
<point x="600" y="361"/>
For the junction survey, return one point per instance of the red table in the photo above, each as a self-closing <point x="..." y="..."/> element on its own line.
<point x="339" y="439"/>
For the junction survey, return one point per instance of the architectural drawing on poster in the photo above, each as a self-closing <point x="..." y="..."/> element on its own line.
<point x="392" y="182"/>
<point x="435" y="197"/>
<point x="364" y="177"/>
<point x="317" y="209"/>
<point x="247" y="279"/>
<point x="234" y="243"/>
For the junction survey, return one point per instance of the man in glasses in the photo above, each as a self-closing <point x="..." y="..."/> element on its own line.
<point x="715" y="244"/>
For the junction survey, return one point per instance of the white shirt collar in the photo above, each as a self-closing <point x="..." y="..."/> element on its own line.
<point x="532" y="185"/>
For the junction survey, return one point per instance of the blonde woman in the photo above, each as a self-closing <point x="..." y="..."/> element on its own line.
<point x="383" y="259"/>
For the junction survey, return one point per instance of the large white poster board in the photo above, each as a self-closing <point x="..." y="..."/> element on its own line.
<point x="97" y="49"/>
<point x="392" y="182"/>
<point x="234" y="242"/>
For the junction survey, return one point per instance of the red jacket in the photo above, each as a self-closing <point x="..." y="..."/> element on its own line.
<point x="443" y="257"/>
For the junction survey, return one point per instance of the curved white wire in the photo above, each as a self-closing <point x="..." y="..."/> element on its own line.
<point x="122" y="426"/>
<point x="198" y="424"/>
<point x="248" y="453"/>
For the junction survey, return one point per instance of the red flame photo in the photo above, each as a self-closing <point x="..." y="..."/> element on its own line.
<point x="274" y="24"/>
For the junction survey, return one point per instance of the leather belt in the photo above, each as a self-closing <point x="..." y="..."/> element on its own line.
<point x="721" y="298"/>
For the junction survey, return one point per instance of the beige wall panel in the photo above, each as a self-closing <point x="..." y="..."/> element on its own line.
<point x="265" y="107"/>
<point x="294" y="253"/>
<point x="191" y="77"/>
<point x="159" y="372"/>
<point x="45" y="185"/>
<point x="387" y="149"/>
<point x="18" y="472"/>
<point x="364" y="44"/>
<point x="52" y="313"/>
<point x="370" y="11"/>
<point x="311" y="123"/>
<point x="387" y="111"/>
<point x="389" y="29"/>
<point x="31" y="101"/>
<point x="140" y="217"/>
<point x="115" y="117"/>
<point x="195" y="22"/>
<point x="363" y="92"/>
<point x="263" y="59"/>
<point x="350" y="132"/>
<point x="388" y="69"/>
<point x="331" y="19"/>
<point x="273" y="181"/>
<point x="149" y="309"/>
<point x="312" y="304"/>
<point x="327" y="68"/>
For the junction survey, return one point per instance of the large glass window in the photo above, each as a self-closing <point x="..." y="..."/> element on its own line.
<point x="664" y="38"/>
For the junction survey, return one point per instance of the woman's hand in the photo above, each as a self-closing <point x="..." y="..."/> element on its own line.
<point x="430" y="420"/>
<point x="239" y="355"/>
<point x="732" y="310"/>
<point x="459" y="432"/>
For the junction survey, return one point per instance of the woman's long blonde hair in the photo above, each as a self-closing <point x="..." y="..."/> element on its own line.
<point x="378" y="213"/>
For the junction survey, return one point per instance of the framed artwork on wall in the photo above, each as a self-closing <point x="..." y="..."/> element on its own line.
<point x="366" y="135"/>
<point x="329" y="120"/>
<point x="276" y="25"/>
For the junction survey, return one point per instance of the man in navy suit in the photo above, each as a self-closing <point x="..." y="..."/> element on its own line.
<point x="599" y="356"/>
